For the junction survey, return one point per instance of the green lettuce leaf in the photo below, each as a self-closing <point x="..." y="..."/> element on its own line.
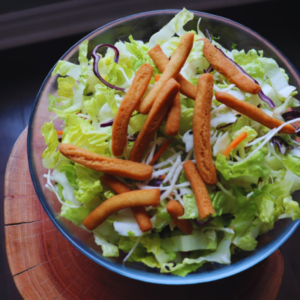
<point x="69" y="170"/>
<point x="292" y="163"/>
<point x="153" y="245"/>
<point x="190" y="207"/>
<point x="221" y="255"/>
<point x="287" y="208"/>
<point x="88" y="182"/>
<point x="250" y="63"/>
<point x="106" y="237"/>
<point x="140" y="254"/>
<point x="50" y="155"/>
<point x="198" y="240"/>
<point x="174" y="26"/>
<point x="81" y="133"/>
<point x="76" y="215"/>
<point x="162" y="216"/>
<point x="255" y="166"/>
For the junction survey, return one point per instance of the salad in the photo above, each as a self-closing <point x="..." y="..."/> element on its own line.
<point x="255" y="180"/>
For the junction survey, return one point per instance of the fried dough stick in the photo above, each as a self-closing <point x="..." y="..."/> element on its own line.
<point x="154" y="119"/>
<point x="161" y="61"/>
<point x="139" y="212"/>
<point x="109" y="165"/>
<point x="224" y="66"/>
<point x="173" y="117"/>
<point x="172" y="70"/>
<point x="118" y="202"/>
<point x="201" y="129"/>
<point x="252" y="112"/>
<point x="130" y="101"/>
<point x="175" y="210"/>
<point x="205" y="207"/>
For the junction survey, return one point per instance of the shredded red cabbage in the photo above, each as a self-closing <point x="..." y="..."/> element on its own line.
<point x="132" y="138"/>
<point x="223" y="126"/>
<point x="111" y="122"/>
<point x="291" y="115"/>
<point x="261" y="94"/>
<point x="97" y="57"/>
<point x="208" y="35"/>
<point x="155" y="182"/>
<point x="203" y="223"/>
<point x="208" y="70"/>
<point x="283" y="146"/>
<point x="108" y="123"/>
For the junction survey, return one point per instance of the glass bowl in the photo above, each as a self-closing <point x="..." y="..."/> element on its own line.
<point x="142" y="26"/>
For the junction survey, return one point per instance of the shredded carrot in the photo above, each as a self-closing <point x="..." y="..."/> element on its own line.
<point x="235" y="143"/>
<point x="156" y="77"/>
<point x="162" y="149"/>
<point x="59" y="132"/>
<point x="163" y="176"/>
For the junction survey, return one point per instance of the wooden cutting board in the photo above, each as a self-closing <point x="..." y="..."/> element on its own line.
<point x="45" y="265"/>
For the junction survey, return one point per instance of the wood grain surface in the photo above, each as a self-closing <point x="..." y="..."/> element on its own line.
<point x="44" y="265"/>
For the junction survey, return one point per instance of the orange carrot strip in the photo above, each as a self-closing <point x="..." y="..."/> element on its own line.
<point x="163" y="176"/>
<point x="175" y="210"/>
<point x="59" y="132"/>
<point x="252" y="112"/>
<point x="172" y="70"/>
<point x="173" y="117"/>
<point x="221" y="64"/>
<point x="156" y="77"/>
<point x="154" y="119"/>
<point x="161" y="150"/>
<point x="122" y="201"/>
<point x="161" y="61"/>
<point x="109" y="165"/>
<point x="201" y="129"/>
<point x="140" y="213"/>
<point x="205" y="207"/>
<point x="235" y="143"/>
<point x="130" y="101"/>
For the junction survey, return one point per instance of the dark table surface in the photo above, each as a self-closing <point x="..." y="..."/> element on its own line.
<point x="24" y="69"/>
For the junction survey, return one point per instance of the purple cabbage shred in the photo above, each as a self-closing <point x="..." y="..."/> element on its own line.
<point x="96" y="58"/>
<point x="226" y="125"/>
<point x="108" y="123"/>
<point x="155" y="182"/>
<point x="203" y="223"/>
<point x="291" y="115"/>
<point x="283" y="146"/>
<point x="132" y="138"/>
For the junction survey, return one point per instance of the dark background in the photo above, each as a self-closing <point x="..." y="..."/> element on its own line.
<point x="24" y="69"/>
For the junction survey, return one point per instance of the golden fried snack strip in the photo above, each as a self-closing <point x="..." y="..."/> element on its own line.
<point x="161" y="61"/>
<point x="205" y="207"/>
<point x="224" y="66"/>
<point x="109" y="165"/>
<point x="139" y="212"/>
<point x="154" y="119"/>
<point x="252" y="112"/>
<point x="175" y="210"/>
<point x="172" y="70"/>
<point x="130" y="101"/>
<point x="122" y="201"/>
<point x="201" y="129"/>
<point x="173" y="117"/>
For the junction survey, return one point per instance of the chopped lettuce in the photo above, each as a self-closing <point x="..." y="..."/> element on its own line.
<point x="50" y="155"/>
